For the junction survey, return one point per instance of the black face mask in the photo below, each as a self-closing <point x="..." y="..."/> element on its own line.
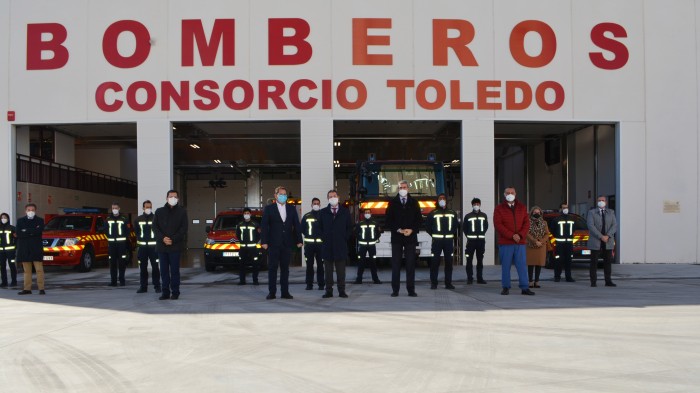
<point x="536" y="215"/>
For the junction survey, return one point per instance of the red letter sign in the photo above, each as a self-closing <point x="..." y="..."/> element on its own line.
<point x="616" y="47"/>
<point x="111" y="37"/>
<point x="458" y="44"/>
<point x="35" y="46"/>
<point x="224" y="30"/>
<point x="517" y="43"/>
<point x="361" y="40"/>
<point x="277" y="41"/>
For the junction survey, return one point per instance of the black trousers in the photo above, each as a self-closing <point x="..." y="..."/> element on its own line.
<point x="117" y="261"/>
<point x="8" y="257"/>
<point x="249" y="256"/>
<point x="145" y="254"/>
<point x="441" y="247"/>
<point x="563" y="258"/>
<point x="607" y="264"/>
<point x="339" y="271"/>
<point x="537" y="269"/>
<point x="278" y="257"/>
<point x="367" y="255"/>
<point x="399" y="251"/>
<point x="475" y="246"/>
<point x="312" y="252"/>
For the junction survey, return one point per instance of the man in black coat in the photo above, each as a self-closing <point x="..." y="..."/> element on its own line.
<point x="280" y="231"/>
<point x="336" y="227"/>
<point x="30" y="250"/>
<point x="403" y="219"/>
<point x="170" y="228"/>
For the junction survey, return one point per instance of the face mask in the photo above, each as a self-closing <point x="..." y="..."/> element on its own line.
<point x="333" y="201"/>
<point x="246" y="217"/>
<point x="536" y="215"/>
<point x="601" y="204"/>
<point x="368" y="216"/>
<point x="147" y="211"/>
<point x="4" y="220"/>
<point x="316" y="208"/>
<point x="282" y="198"/>
<point x="115" y="212"/>
<point x="403" y="193"/>
<point x="172" y="201"/>
<point x="31" y="214"/>
<point x="510" y="197"/>
<point x="476" y="208"/>
<point x="565" y="211"/>
<point x="442" y="203"/>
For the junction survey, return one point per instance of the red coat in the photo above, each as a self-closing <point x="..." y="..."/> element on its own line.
<point x="511" y="221"/>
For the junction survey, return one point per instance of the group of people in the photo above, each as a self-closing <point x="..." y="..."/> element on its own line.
<point x="522" y="238"/>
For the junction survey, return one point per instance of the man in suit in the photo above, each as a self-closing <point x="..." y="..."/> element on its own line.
<point x="403" y="218"/>
<point x="602" y="226"/>
<point x="280" y="232"/>
<point x="30" y="250"/>
<point x="336" y="227"/>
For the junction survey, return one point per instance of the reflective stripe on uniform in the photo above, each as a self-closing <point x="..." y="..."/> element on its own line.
<point x="437" y="236"/>
<point x="367" y="243"/>
<point x="7" y="248"/>
<point x="142" y="224"/>
<point x="7" y="236"/>
<point x="118" y="239"/>
<point x="312" y="240"/>
<point x="481" y="223"/>
<point x="140" y="243"/>
<point x="370" y="227"/>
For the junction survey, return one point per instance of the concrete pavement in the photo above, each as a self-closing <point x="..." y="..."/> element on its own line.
<point x="85" y="337"/>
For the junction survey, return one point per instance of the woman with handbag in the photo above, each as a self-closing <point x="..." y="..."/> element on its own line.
<point x="537" y="246"/>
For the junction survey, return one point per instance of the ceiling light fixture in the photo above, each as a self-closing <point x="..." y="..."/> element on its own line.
<point x="194" y="146"/>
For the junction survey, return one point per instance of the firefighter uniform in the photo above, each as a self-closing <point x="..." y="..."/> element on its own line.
<point x="312" y="249"/>
<point x="367" y="233"/>
<point x="248" y="233"/>
<point x="563" y="232"/>
<point x="474" y="226"/>
<point x="8" y="241"/>
<point x="118" y="240"/>
<point x="442" y="224"/>
<point x="146" y="241"/>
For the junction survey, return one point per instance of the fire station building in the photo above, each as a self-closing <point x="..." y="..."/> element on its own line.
<point x="225" y="99"/>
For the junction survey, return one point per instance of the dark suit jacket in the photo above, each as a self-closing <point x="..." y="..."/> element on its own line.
<point x="29" y="246"/>
<point x="335" y="232"/>
<point x="278" y="233"/>
<point x="399" y="216"/>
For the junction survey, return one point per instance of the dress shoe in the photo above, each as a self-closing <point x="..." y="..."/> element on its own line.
<point x="394" y="294"/>
<point x="377" y="282"/>
<point x="327" y="295"/>
<point x="343" y="294"/>
<point x="174" y="296"/>
<point x="13" y="284"/>
<point x="164" y="297"/>
<point x="481" y="281"/>
<point x="594" y="284"/>
<point x="527" y="292"/>
<point x="271" y="296"/>
<point x="557" y="279"/>
<point x="255" y="282"/>
<point x="122" y="284"/>
<point x="24" y="292"/>
<point x="357" y="281"/>
<point x="412" y="294"/>
<point x="287" y="296"/>
<point x="449" y="286"/>
<point x="433" y="286"/>
<point x="505" y="291"/>
<point x="470" y="281"/>
<point x="158" y="290"/>
<point x="3" y="285"/>
<point x="141" y="290"/>
<point x="610" y="284"/>
<point x="42" y="292"/>
<point x="537" y="285"/>
<point x="309" y="287"/>
<point x="570" y="280"/>
<point x="321" y="287"/>
<point x="241" y="283"/>
<point x="112" y="284"/>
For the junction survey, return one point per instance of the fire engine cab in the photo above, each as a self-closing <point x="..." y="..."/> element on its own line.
<point x="221" y="247"/>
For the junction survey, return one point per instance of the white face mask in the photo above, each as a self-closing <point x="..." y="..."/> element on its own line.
<point x="442" y="203"/>
<point x="403" y="193"/>
<point x="601" y="204"/>
<point x="510" y="197"/>
<point x="4" y="220"/>
<point x="316" y="208"/>
<point x="476" y="208"/>
<point x="115" y="212"/>
<point x="147" y="211"/>
<point x="368" y="216"/>
<point x="333" y="201"/>
<point x="565" y="211"/>
<point x="31" y="214"/>
<point x="172" y="201"/>
<point x="246" y="217"/>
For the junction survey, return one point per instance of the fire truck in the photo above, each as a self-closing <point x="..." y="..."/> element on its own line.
<point x="221" y="246"/>
<point x="375" y="183"/>
<point x="77" y="238"/>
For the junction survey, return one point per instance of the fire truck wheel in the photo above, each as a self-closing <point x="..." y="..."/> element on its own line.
<point x="86" y="260"/>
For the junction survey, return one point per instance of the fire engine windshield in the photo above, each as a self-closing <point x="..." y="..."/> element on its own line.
<point x="420" y="178"/>
<point x="78" y="223"/>
<point x="227" y="223"/>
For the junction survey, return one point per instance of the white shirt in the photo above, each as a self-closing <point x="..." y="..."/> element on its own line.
<point x="283" y="211"/>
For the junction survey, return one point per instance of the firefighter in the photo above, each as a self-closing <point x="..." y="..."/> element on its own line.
<point x="311" y="226"/>
<point x="8" y="241"/>
<point x="563" y="232"/>
<point x="248" y="233"/>
<point x="146" y="240"/>
<point x="442" y="225"/>
<point x="367" y="232"/>
<point x="118" y="239"/>
<point x="474" y="226"/>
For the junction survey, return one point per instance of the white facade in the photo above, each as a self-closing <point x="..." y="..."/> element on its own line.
<point x="629" y="62"/>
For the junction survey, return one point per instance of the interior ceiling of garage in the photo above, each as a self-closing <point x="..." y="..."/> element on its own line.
<point x="275" y="145"/>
